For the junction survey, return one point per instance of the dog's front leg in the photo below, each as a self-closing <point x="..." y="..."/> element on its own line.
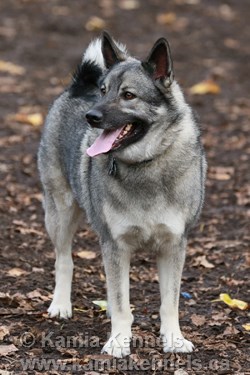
<point x="170" y="264"/>
<point x="116" y="263"/>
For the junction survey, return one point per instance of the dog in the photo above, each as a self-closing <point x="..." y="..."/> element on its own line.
<point x="122" y="144"/>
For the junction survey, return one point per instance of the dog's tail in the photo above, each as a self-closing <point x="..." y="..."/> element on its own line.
<point x="92" y="67"/>
<point x="93" y="53"/>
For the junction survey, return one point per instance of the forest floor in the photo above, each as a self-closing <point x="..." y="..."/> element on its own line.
<point x="44" y="40"/>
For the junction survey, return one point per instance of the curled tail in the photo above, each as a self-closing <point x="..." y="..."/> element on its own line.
<point x="94" y="54"/>
<point x="88" y="73"/>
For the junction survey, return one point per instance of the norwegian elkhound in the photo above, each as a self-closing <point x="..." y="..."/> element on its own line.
<point x="122" y="144"/>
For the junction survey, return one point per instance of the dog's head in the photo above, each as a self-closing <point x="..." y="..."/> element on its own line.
<point x="135" y="105"/>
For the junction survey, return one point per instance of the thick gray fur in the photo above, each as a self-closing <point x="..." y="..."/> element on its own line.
<point x="146" y="195"/>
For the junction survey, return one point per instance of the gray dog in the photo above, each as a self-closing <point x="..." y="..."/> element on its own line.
<point x="122" y="144"/>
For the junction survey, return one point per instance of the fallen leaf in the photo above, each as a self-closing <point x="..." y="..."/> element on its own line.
<point x="129" y="4"/>
<point x="85" y="254"/>
<point x="219" y="317"/>
<point x="135" y="358"/>
<point x="35" y="294"/>
<point x="205" y="87"/>
<point x="220" y="173"/>
<point x="68" y="351"/>
<point x="9" y="67"/>
<point x="100" y="357"/>
<point x="230" y="330"/>
<point x="180" y="372"/>
<point x="202" y="261"/>
<point x="154" y="316"/>
<point x="234" y="303"/>
<point x="4" y="331"/>
<point x="23" y="228"/>
<point x="3" y="372"/>
<point x="166" y="18"/>
<point x="102" y="304"/>
<point x="81" y="310"/>
<point x="15" y="272"/>
<point x="7" y="349"/>
<point x="34" y="119"/>
<point x="95" y="24"/>
<point x="246" y="326"/>
<point x="232" y="282"/>
<point x="198" y="320"/>
<point x="36" y="269"/>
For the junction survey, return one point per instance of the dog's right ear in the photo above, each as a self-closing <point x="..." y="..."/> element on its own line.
<point x="111" y="53"/>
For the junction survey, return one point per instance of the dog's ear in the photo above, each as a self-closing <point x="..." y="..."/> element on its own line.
<point x="159" y="63"/>
<point x="111" y="53"/>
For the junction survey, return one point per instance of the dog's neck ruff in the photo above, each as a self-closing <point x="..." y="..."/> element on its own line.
<point x="113" y="167"/>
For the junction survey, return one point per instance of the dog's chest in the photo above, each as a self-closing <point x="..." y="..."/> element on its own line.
<point x="138" y="227"/>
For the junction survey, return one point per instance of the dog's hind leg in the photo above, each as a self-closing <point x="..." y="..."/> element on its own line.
<point x="170" y="264"/>
<point x="116" y="263"/>
<point x="62" y="218"/>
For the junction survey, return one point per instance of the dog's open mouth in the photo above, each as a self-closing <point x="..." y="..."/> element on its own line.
<point x="114" y="139"/>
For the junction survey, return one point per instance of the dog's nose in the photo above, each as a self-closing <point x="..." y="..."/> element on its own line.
<point x="94" y="117"/>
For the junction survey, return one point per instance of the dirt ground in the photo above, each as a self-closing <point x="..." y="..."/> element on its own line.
<point x="44" y="40"/>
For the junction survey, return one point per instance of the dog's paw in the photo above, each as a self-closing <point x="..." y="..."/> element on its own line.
<point x="118" y="346"/>
<point x="62" y="310"/>
<point x="175" y="343"/>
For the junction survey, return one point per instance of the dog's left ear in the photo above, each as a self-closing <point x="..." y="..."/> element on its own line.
<point x="111" y="53"/>
<point x="159" y="63"/>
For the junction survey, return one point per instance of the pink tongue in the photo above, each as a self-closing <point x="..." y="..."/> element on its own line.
<point x="104" y="142"/>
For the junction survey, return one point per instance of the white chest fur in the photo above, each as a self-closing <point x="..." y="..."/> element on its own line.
<point x="138" y="227"/>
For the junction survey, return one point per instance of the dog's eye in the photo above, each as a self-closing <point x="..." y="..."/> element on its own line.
<point x="129" y="96"/>
<point x="103" y="90"/>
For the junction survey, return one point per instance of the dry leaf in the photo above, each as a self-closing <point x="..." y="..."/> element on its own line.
<point x="15" y="272"/>
<point x="81" y="310"/>
<point x="246" y="326"/>
<point x="35" y="119"/>
<point x="35" y="294"/>
<point x="205" y="87"/>
<point x="22" y="228"/>
<point x="3" y="372"/>
<point x="85" y="254"/>
<point x="234" y="303"/>
<point x="198" y="320"/>
<point x="180" y="372"/>
<point x="135" y="358"/>
<point x="7" y="349"/>
<point x="95" y="24"/>
<point x="202" y="261"/>
<point x="219" y="317"/>
<point x="166" y="18"/>
<point x="9" y="67"/>
<point x="38" y="270"/>
<point x="70" y="351"/>
<point x="4" y="331"/>
<point x="129" y="4"/>
<point x="230" y="330"/>
<point x="102" y="304"/>
<point x="220" y="173"/>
